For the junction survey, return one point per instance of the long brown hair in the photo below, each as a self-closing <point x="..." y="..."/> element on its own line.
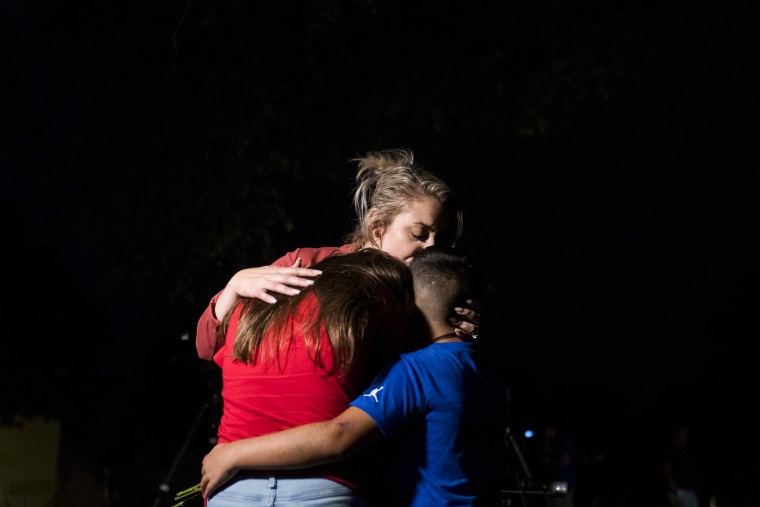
<point x="354" y="293"/>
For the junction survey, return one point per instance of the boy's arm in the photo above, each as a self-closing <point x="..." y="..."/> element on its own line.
<point x="300" y="447"/>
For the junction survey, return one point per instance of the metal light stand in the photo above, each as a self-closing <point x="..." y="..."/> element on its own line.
<point x="523" y="477"/>
<point x="165" y="487"/>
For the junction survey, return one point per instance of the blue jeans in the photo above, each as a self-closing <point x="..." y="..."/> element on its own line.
<point x="287" y="492"/>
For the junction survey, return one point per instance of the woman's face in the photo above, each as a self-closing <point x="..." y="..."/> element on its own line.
<point x="412" y="230"/>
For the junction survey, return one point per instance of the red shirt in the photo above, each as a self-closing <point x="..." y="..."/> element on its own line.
<point x="270" y="395"/>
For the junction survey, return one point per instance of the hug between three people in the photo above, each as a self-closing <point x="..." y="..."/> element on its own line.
<point x="401" y="209"/>
<point x="301" y="362"/>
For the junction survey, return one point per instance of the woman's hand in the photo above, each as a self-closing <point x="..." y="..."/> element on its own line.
<point x="261" y="282"/>
<point x="467" y="320"/>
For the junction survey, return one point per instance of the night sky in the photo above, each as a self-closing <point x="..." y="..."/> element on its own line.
<point x="606" y="156"/>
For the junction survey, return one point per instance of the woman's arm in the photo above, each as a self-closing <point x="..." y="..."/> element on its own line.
<point x="259" y="283"/>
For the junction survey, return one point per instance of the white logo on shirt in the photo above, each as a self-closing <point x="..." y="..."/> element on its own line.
<point x="374" y="392"/>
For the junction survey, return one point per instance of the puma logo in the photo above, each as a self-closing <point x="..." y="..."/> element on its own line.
<point x="374" y="392"/>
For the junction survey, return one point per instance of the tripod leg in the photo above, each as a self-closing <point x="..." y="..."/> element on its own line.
<point x="519" y="466"/>
<point x="164" y="487"/>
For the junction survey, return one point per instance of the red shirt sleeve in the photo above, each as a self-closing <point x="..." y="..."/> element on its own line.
<point x="205" y="333"/>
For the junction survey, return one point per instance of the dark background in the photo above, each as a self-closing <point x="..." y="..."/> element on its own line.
<point x="606" y="153"/>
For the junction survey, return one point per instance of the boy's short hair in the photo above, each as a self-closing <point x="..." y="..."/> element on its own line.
<point x="443" y="279"/>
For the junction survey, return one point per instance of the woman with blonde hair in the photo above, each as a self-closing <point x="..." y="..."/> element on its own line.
<point x="401" y="208"/>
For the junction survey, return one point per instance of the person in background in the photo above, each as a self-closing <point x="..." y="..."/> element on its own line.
<point x="442" y="410"/>
<point x="302" y="359"/>
<point x="401" y="209"/>
<point x="680" y="469"/>
<point x="559" y="461"/>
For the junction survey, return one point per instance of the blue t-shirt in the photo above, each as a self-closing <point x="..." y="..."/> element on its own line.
<point x="445" y="410"/>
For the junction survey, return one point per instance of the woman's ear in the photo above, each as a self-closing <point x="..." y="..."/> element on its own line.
<point x="376" y="227"/>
